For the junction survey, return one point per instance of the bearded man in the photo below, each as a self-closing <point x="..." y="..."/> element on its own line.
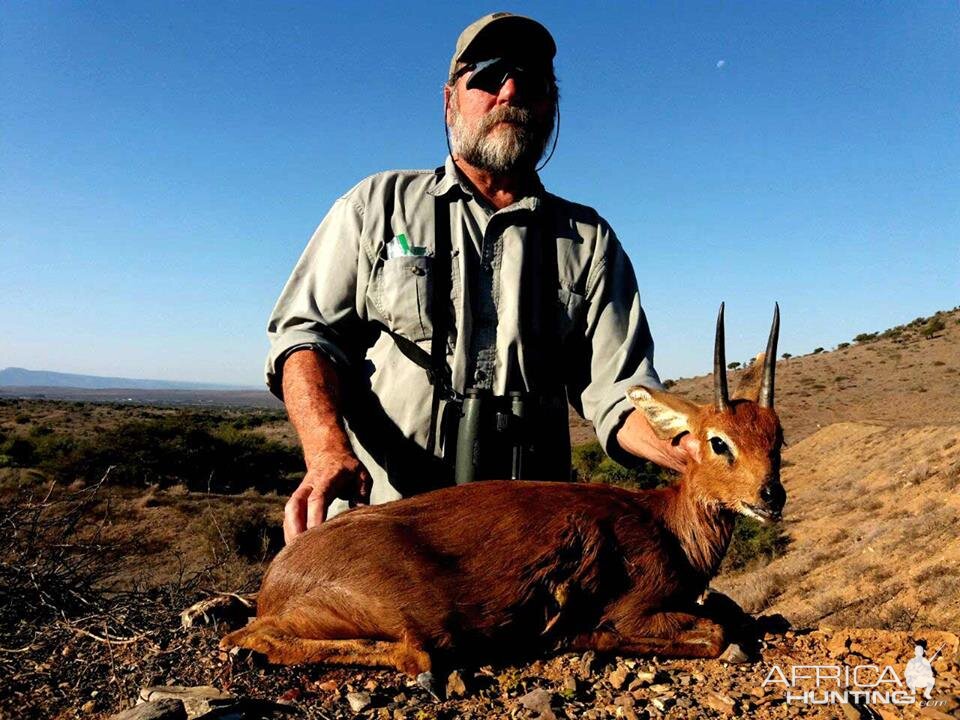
<point x="439" y="322"/>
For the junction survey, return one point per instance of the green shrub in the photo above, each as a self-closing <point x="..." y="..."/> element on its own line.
<point x="591" y="464"/>
<point x="841" y="346"/>
<point x="933" y="326"/>
<point x="733" y="365"/>
<point x="866" y="337"/>
<point x="817" y="351"/>
<point x="200" y="450"/>
<point x="754" y="543"/>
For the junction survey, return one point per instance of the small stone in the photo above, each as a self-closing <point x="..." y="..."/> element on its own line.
<point x="662" y="703"/>
<point x="290" y="696"/>
<point x="196" y="700"/>
<point x="569" y="687"/>
<point x="624" y="701"/>
<point x="165" y="709"/>
<point x="723" y="704"/>
<point x="642" y="679"/>
<point x="759" y="691"/>
<point x="537" y="700"/>
<point x="328" y="686"/>
<point x="660" y="688"/>
<point x="88" y="706"/>
<point x="839" y="644"/>
<point x="358" y="700"/>
<point x="734" y="655"/>
<point x="456" y="687"/>
<point x="586" y="663"/>
<point x="617" y="678"/>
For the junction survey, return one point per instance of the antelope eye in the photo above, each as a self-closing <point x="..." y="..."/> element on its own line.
<point x="719" y="446"/>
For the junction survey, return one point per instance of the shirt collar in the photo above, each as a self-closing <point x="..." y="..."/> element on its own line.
<point x="452" y="179"/>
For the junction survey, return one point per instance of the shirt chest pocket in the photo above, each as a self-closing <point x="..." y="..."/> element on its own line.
<point x="571" y="311"/>
<point x="405" y="295"/>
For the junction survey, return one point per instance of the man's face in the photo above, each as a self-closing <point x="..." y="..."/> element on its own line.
<point x="503" y="131"/>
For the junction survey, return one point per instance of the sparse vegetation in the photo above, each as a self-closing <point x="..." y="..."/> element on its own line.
<point x="817" y="351"/>
<point x="733" y="366"/>
<point x="866" y="337"/>
<point x="932" y="327"/>
<point x="591" y="464"/>
<point x="754" y="543"/>
<point x="204" y="451"/>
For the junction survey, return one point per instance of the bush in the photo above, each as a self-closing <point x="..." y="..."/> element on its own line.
<point x="841" y="346"/>
<point x="754" y="543"/>
<point x="201" y="451"/>
<point x="817" y="351"/>
<point x="786" y="356"/>
<point x="933" y="326"/>
<point x="591" y="464"/>
<point x="733" y="365"/>
<point x="866" y="337"/>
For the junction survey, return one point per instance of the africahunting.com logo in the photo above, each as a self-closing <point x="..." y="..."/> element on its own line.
<point x="857" y="684"/>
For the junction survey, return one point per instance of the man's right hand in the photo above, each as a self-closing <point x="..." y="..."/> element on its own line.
<point x="332" y="472"/>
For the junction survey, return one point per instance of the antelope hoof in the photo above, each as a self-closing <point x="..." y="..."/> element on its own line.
<point x="227" y="608"/>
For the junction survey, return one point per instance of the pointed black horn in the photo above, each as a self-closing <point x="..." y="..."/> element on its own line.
<point x="721" y="399"/>
<point x="770" y="361"/>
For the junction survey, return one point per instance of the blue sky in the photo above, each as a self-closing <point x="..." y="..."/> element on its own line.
<point x="162" y="164"/>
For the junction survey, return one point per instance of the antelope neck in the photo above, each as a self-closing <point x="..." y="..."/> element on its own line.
<point x="703" y="528"/>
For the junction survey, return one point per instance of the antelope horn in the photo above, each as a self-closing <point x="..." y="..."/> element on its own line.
<point x="770" y="361"/>
<point x="721" y="398"/>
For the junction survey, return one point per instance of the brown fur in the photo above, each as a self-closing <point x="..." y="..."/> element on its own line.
<point x="516" y="567"/>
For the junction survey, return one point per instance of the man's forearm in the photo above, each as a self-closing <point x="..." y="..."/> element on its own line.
<point x="312" y="394"/>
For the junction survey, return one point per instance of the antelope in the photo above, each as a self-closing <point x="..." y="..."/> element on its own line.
<point x="521" y="565"/>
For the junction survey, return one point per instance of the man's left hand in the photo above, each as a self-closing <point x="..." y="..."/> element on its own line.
<point x="637" y="437"/>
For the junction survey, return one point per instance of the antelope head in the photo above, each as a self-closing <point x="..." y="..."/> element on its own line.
<point x="740" y="437"/>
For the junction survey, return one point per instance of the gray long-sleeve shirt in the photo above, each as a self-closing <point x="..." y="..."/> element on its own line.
<point x="370" y="261"/>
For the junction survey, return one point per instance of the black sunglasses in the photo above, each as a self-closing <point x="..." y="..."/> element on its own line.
<point x="490" y="75"/>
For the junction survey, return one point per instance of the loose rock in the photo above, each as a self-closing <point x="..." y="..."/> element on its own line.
<point x="167" y="709"/>
<point x="456" y="687"/>
<point x="196" y="700"/>
<point x="723" y="704"/>
<point x="734" y="655"/>
<point x="358" y="700"/>
<point x="618" y="677"/>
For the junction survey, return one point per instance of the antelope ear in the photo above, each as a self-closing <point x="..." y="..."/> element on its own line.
<point x="749" y="386"/>
<point x="669" y="415"/>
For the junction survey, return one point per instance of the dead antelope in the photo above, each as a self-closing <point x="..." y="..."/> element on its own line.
<point x="469" y="570"/>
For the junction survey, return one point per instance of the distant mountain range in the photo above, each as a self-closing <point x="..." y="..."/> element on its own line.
<point x="21" y="377"/>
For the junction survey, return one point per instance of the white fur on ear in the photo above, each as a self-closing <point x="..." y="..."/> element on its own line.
<point x="668" y="415"/>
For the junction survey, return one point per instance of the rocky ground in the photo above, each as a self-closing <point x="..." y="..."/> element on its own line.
<point x="564" y="686"/>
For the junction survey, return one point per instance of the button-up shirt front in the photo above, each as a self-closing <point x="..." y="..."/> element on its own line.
<point x="370" y="263"/>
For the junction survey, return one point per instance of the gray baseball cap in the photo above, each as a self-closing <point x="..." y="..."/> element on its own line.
<point x="503" y="34"/>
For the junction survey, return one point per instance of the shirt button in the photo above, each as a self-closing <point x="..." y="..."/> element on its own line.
<point x="416" y="270"/>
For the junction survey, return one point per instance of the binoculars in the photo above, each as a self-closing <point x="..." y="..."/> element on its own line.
<point x="492" y="437"/>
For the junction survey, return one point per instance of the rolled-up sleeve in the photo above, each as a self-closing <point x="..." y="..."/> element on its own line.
<point x="619" y="346"/>
<point x="323" y="303"/>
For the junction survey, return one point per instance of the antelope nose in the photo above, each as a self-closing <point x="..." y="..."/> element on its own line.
<point x="774" y="496"/>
